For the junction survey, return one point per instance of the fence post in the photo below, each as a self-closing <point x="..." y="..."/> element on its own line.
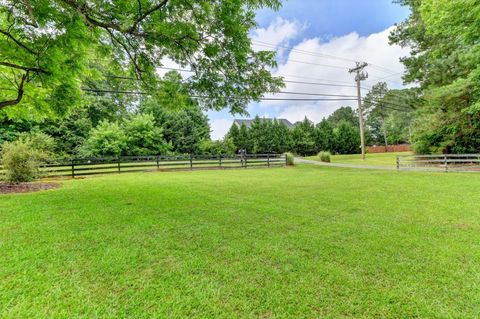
<point x="445" y="161"/>
<point x="220" y="161"/>
<point x="191" y="161"/>
<point x="268" y="160"/>
<point x="158" y="162"/>
<point x="73" y="168"/>
<point x="245" y="161"/>
<point x="286" y="159"/>
<point x="118" y="160"/>
<point x="398" y="163"/>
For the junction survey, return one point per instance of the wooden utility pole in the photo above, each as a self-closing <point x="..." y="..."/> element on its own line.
<point x="360" y="76"/>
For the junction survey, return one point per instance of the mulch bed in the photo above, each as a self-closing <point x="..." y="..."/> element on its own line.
<point x="26" y="187"/>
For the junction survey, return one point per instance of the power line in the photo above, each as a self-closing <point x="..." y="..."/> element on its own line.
<point x="316" y="94"/>
<point x="319" y="84"/>
<point x="319" y="64"/>
<point x="227" y="97"/>
<point x="319" y="54"/>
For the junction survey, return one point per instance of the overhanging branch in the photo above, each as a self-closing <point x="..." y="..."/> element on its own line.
<point x="19" y="93"/>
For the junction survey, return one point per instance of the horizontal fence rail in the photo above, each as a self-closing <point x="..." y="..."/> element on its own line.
<point x="443" y="162"/>
<point x="108" y="165"/>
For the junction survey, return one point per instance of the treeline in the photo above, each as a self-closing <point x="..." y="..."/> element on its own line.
<point x="337" y="134"/>
<point x="444" y="63"/>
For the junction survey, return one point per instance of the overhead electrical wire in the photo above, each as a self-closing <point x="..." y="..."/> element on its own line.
<point x="319" y="54"/>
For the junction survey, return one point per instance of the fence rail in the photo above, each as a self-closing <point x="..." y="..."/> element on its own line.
<point x="443" y="162"/>
<point x="108" y="165"/>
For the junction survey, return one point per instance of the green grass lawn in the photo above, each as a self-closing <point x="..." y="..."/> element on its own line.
<point x="374" y="159"/>
<point x="304" y="242"/>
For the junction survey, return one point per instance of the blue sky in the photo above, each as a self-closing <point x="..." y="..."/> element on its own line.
<point x="348" y="29"/>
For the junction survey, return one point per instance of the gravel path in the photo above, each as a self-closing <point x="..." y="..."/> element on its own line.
<point x="304" y="161"/>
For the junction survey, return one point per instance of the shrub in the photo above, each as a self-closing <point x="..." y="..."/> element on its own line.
<point x="224" y="147"/>
<point x="39" y="141"/>
<point x="290" y="159"/>
<point x="107" y="139"/>
<point x="20" y="162"/>
<point x="324" y="156"/>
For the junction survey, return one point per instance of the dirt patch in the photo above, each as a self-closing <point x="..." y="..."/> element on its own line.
<point x="26" y="187"/>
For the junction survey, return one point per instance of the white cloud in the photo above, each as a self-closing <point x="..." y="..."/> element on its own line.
<point x="276" y="35"/>
<point x="335" y="56"/>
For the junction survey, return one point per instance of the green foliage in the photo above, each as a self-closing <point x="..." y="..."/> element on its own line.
<point x="290" y="159"/>
<point x="183" y="122"/>
<point x="224" y="147"/>
<point x="324" y="156"/>
<point x="243" y="140"/>
<point x="324" y="137"/>
<point x="55" y="47"/>
<point x="347" y="138"/>
<point x="107" y="139"/>
<point x="39" y="141"/>
<point x="343" y="114"/>
<point x="303" y="136"/>
<point x="21" y="158"/>
<point x="445" y="61"/>
<point x="143" y="137"/>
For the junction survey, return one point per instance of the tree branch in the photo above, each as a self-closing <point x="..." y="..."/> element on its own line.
<point x="19" y="93"/>
<point x="30" y="13"/>
<point x="25" y="68"/>
<point x="146" y="14"/>
<point x="84" y="10"/>
<point x="10" y="36"/>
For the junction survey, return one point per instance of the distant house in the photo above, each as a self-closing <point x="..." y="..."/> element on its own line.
<point x="248" y="123"/>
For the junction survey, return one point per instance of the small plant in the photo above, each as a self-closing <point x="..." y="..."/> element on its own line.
<point x="324" y="156"/>
<point x="20" y="162"/>
<point x="290" y="159"/>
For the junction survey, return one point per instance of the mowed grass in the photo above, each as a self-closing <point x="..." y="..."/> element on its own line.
<point x="373" y="159"/>
<point x="303" y="242"/>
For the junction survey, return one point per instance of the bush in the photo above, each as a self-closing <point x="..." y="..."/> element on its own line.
<point x="290" y="159"/>
<point x="107" y="139"/>
<point x="224" y="147"/>
<point x="20" y="162"/>
<point x="324" y="156"/>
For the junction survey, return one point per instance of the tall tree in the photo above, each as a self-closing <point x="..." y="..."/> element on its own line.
<point x="49" y="49"/>
<point x="324" y="137"/>
<point x="345" y="113"/>
<point x="377" y="111"/>
<point x="303" y="136"/>
<point x="445" y="61"/>
<point x="347" y="138"/>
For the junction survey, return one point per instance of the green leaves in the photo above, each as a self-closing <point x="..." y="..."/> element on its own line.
<point x="445" y="61"/>
<point x="61" y="43"/>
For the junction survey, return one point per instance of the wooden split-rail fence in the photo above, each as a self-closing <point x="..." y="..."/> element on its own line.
<point x="440" y="162"/>
<point x="107" y="165"/>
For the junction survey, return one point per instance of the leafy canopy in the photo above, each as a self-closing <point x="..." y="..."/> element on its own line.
<point x="51" y="49"/>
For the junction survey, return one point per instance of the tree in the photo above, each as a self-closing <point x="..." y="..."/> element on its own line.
<point x="183" y="122"/>
<point x="324" y="137"/>
<point x="107" y="139"/>
<point x="345" y="113"/>
<point x="347" y="138"/>
<point x="234" y="134"/>
<point x="281" y="137"/>
<point x="50" y="49"/>
<point x="303" y="136"/>
<point x="143" y="137"/>
<point x="445" y="62"/>
<point x="377" y="112"/>
<point x="261" y="134"/>
<point x="244" y="142"/>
